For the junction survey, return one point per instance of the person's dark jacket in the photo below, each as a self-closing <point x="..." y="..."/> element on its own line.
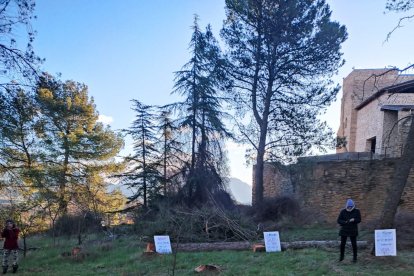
<point x="11" y="236"/>
<point x="348" y="228"/>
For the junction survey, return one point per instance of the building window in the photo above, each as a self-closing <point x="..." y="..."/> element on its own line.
<point x="371" y="144"/>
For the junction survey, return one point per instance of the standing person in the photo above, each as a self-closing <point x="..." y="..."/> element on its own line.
<point x="11" y="247"/>
<point x="348" y="219"/>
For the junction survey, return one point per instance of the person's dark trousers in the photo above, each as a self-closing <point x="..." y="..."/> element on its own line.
<point x="354" y="247"/>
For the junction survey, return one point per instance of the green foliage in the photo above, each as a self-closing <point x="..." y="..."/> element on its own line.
<point x="341" y="142"/>
<point x="72" y="225"/>
<point x="143" y="174"/>
<point x="19" y="153"/>
<point x="54" y="152"/>
<point x="20" y="160"/>
<point x="282" y="55"/>
<point x="77" y="150"/>
<point x="200" y="116"/>
<point x="171" y="152"/>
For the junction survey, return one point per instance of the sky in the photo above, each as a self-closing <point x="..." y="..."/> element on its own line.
<point x="129" y="49"/>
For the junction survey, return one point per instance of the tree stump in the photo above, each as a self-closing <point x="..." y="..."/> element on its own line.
<point x="207" y="268"/>
<point x="150" y="247"/>
<point x="258" y="248"/>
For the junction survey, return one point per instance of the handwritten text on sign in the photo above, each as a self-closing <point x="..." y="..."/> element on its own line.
<point x="162" y="244"/>
<point x="272" y="241"/>
<point x="385" y="242"/>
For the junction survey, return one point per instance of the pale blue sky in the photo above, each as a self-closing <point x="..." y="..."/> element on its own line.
<point x="125" y="49"/>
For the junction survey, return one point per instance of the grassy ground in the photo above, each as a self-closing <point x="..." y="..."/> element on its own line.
<point x="124" y="257"/>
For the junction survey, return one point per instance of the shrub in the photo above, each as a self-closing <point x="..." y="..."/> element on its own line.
<point x="279" y="208"/>
<point x="69" y="225"/>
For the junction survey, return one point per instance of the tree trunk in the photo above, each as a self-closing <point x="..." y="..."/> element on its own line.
<point x="245" y="245"/>
<point x="399" y="181"/>
<point x="54" y="232"/>
<point x="258" y="180"/>
<point x="259" y="172"/>
<point x="165" y="163"/>
<point x="80" y="231"/>
<point x="24" y="245"/>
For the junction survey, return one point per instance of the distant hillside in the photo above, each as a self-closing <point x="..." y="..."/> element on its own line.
<point x="124" y="189"/>
<point x="241" y="191"/>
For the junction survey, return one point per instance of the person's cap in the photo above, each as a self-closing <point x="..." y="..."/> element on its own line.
<point x="350" y="203"/>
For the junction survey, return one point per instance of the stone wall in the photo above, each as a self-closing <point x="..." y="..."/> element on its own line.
<point x="325" y="186"/>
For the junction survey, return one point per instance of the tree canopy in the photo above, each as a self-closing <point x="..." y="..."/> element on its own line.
<point x="16" y="62"/>
<point x="282" y="55"/>
<point x="201" y="115"/>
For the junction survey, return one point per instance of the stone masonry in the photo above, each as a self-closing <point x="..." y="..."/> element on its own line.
<point x="372" y="121"/>
<point x="324" y="186"/>
<point x="362" y="122"/>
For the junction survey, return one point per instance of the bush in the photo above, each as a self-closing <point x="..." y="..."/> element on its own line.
<point x="279" y="208"/>
<point x="68" y="225"/>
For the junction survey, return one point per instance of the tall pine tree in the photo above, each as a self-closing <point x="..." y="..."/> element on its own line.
<point x="281" y="54"/>
<point x="78" y="151"/>
<point x="171" y="158"/>
<point x="143" y="174"/>
<point x="201" y="116"/>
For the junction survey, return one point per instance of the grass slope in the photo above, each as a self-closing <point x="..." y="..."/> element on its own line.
<point x="124" y="257"/>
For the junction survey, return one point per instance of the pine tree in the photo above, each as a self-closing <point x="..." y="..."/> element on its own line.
<point x="281" y="57"/>
<point x="17" y="123"/>
<point x="20" y="167"/>
<point x="142" y="173"/>
<point x="199" y="82"/>
<point x="77" y="150"/>
<point x="170" y="149"/>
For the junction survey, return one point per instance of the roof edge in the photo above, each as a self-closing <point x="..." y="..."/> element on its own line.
<point x="396" y="88"/>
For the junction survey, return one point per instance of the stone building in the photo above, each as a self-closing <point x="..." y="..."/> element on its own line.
<point x="374" y="105"/>
<point x="372" y="122"/>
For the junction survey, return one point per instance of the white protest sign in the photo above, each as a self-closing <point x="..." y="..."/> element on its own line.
<point x="272" y="241"/>
<point x="385" y="242"/>
<point x="162" y="244"/>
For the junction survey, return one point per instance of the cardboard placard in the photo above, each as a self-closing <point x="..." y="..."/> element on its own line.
<point x="385" y="242"/>
<point x="272" y="241"/>
<point x="162" y="244"/>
